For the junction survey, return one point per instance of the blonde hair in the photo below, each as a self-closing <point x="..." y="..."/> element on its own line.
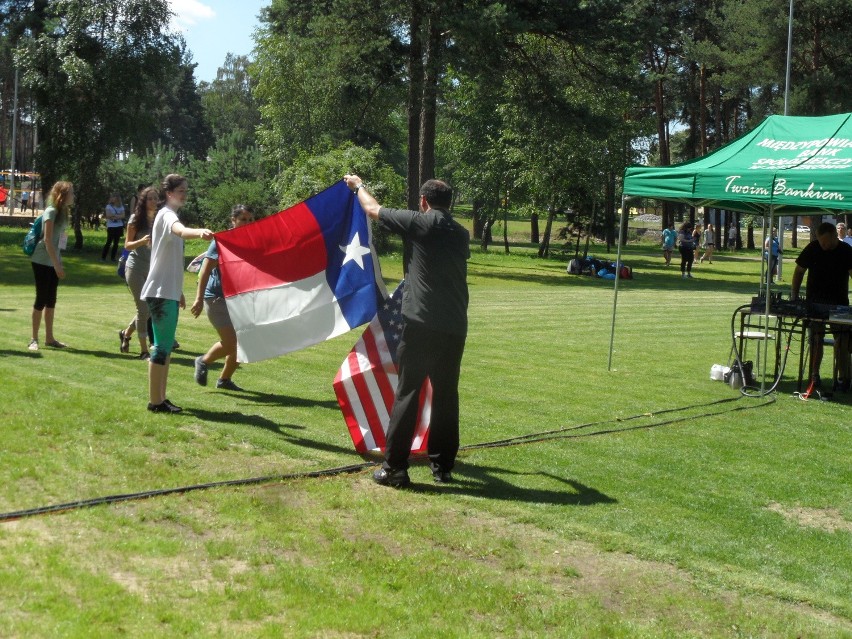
<point x="59" y="196"/>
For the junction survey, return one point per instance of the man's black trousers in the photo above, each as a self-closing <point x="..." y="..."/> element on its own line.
<point x="426" y="353"/>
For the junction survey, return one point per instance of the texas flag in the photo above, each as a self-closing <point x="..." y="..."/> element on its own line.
<point x="300" y="276"/>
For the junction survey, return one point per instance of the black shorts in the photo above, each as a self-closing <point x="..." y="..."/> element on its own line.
<point x="46" y="281"/>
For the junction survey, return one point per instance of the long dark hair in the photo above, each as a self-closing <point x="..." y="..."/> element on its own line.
<point x="140" y="212"/>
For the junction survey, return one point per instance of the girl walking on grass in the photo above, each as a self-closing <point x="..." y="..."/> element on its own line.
<point x="210" y="295"/>
<point x="47" y="262"/>
<point x="686" y="246"/>
<point x="138" y="242"/>
<point x="163" y="289"/>
<point x="709" y="244"/>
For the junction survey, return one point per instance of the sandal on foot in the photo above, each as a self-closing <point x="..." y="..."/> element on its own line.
<point x="124" y="342"/>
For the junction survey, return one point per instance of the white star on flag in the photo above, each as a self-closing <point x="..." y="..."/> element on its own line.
<point x="355" y="252"/>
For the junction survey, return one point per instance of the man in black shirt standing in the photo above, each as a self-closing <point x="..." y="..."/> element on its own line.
<point x="828" y="262"/>
<point x="434" y="307"/>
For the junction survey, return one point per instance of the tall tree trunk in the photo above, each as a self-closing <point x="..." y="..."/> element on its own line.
<point x="479" y="219"/>
<point x="415" y="104"/>
<point x="486" y="232"/>
<point x="544" y="247"/>
<point x="662" y="134"/>
<point x="506" y="224"/>
<point x="720" y="137"/>
<point x="738" y="243"/>
<point x="717" y="232"/>
<point x="430" y="99"/>
<point x="610" y="210"/>
<point x="702" y="108"/>
<point x="691" y="113"/>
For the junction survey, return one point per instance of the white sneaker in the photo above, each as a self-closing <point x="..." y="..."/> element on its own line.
<point x="33" y="345"/>
<point x="683" y="275"/>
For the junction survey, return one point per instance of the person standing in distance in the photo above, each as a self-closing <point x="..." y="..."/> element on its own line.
<point x="114" y="215"/>
<point x="772" y="253"/>
<point x="686" y="248"/>
<point x="434" y="308"/>
<point x="669" y="240"/>
<point x="163" y="289"/>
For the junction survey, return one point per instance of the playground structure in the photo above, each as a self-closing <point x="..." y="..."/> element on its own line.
<point x="12" y="188"/>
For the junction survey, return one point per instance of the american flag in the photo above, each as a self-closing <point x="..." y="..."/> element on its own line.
<point x="367" y="380"/>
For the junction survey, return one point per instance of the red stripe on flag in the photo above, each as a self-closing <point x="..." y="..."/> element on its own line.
<point x="380" y="365"/>
<point x="279" y="249"/>
<point x="424" y="416"/>
<point x="349" y="414"/>
<point x="368" y="401"/>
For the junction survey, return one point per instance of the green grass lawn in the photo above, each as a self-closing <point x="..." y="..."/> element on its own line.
<point x="716" y="519"/>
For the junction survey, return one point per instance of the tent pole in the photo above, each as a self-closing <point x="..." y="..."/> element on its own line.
<point x="617" y="277"/>
<point x="768" y="296"/>
<point x="765" y="257"/>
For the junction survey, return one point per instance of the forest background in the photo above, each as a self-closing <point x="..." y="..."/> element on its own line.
<point x="528" y="108"/>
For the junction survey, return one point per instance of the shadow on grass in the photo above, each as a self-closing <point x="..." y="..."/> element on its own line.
<point x="179" y="358"/>
<point x="257" y="421"/>
<point x="284" y="400"/>
<point x="492" y="483"/>
<point x="100" y="354"/>
<point x="21" y="353"/>
<point x="240" y="418"/>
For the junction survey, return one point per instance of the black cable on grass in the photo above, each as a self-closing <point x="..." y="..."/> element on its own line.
<point x="114" y="499"/>
<point x="559" y="433"/>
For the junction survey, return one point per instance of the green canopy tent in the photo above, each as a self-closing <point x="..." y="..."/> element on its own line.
<point x="787" y="165"/>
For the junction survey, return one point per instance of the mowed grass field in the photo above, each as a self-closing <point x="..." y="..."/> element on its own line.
<point x="645" y="501"/>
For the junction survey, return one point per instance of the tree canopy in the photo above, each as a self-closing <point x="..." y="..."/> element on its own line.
<point x="520" y="104"/>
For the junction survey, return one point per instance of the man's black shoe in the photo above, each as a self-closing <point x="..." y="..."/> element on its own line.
<point x="394" y="478"/>
<point x="442" y="476"/>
